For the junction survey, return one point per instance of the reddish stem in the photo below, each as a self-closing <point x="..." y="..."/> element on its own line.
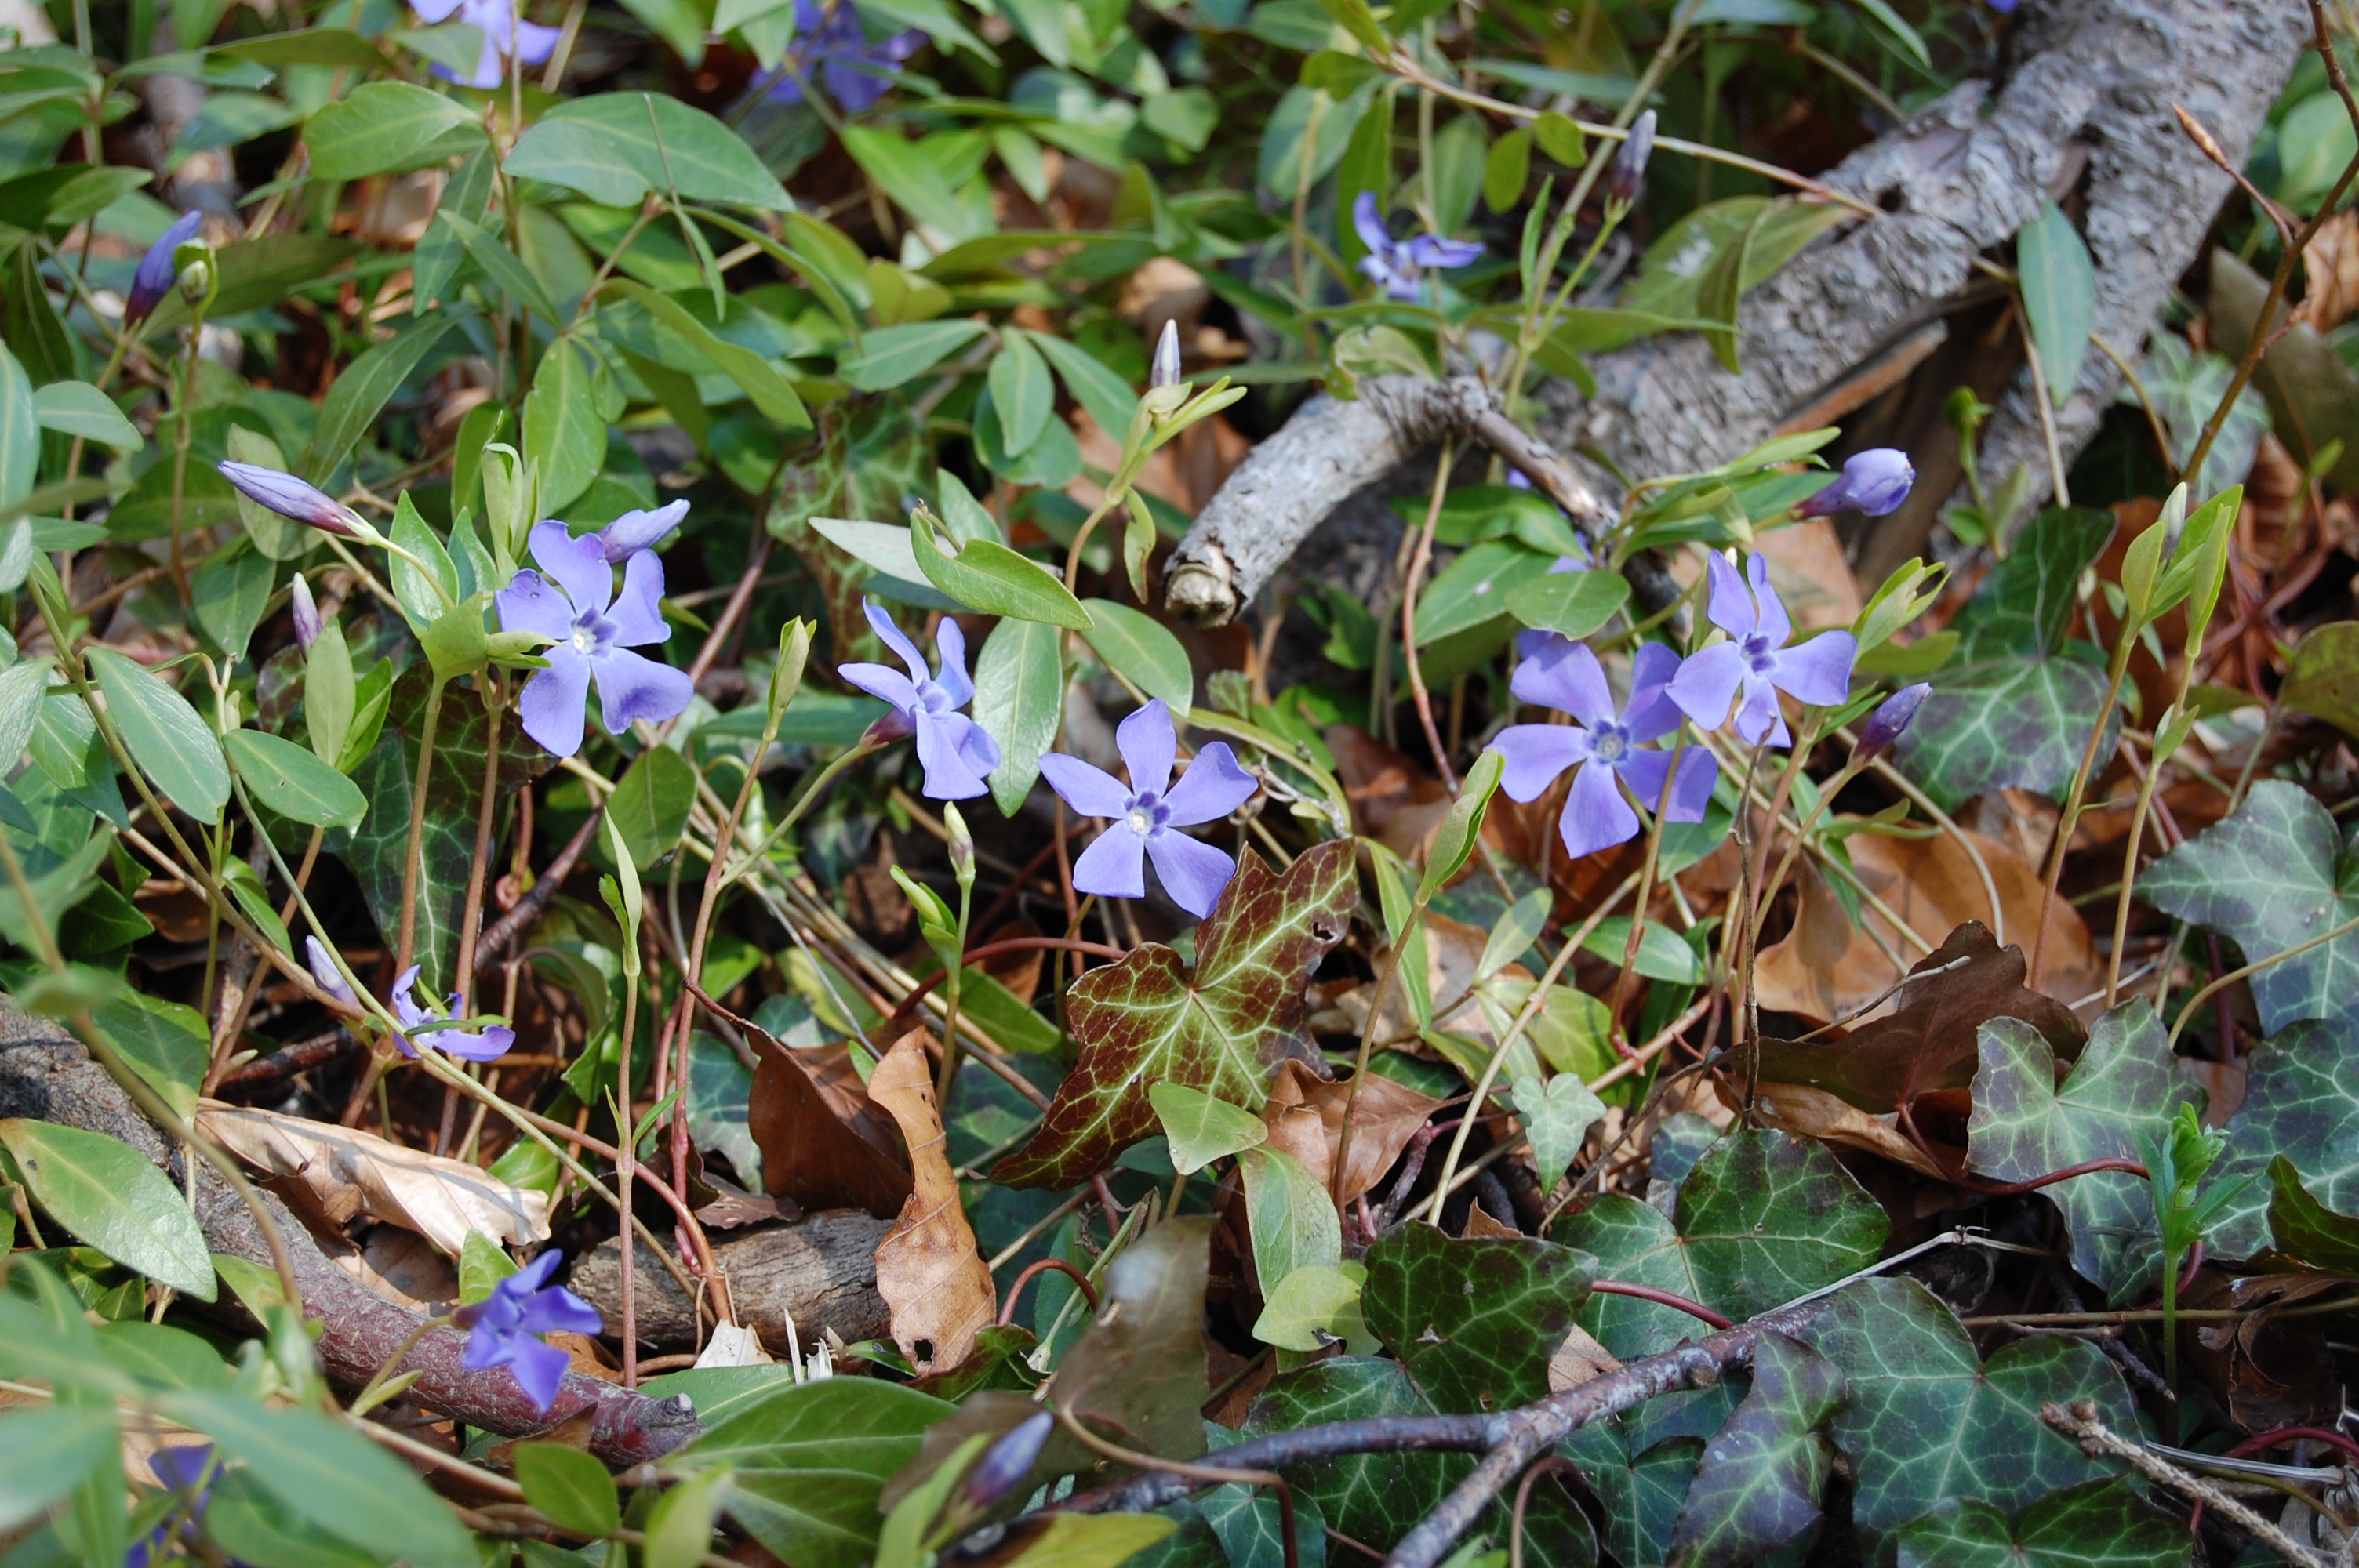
<point x="1015" y="1291"/>
<point x="1661" y="1298"/>
<point x="2286" y="1434"/>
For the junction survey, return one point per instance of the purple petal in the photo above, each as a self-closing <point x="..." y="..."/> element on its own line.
<point x="949" y="774"/>
<point x="539" y="1370"/>
<point x="632" y="686"/>
<point x="1760" y="717"/>
<point x="578" y="566"/>
<point x="1192" y="871"/>
<point x="555" y="701"/>
<point x="1370" y="224"/>
<point x="519" y="1286"/>
<point x="637" y="613"/>
<point x="1730" y="606"/>
<point x="1536" y="754"/>
<point x="1566" y="675"/>
<point x="531" y="603"/>
<point x="974" y="742"/>
<point x="1707" y="682"/>
<point x="535" y="42"/>
<point x="323" y="969"/>
<point x="894" y="639"/>
<point x="1114" y="866"/>
<point x="406" y="1011"/>
<point x="1149" y="742"/>
<point x="157" y="274"/>
<point x="559" y="1311"/>
<point x="1773" y="622"/>
<point x="1212" y="787"/>
<point x="434" y="11"/>
<point x="950" y="647"/>
<point x="1644" y="772"/>
<point x="638" y="530"/>
<point x="489" y="1045"/>
<point x="1427" y="250"/>
<point x="884" y="683"/>
<point x="1087" y="789"/>
<point x="1818" y="671"/>
<point x="1651" y="712"/>
<point x="1596" y="816"/>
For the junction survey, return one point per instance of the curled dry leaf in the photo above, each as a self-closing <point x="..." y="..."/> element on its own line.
<point x="350" y="1172"/>
<point x="928" y="1269"/>
<point x="823" y="1144"/>
<point x="1305" y="1114"/>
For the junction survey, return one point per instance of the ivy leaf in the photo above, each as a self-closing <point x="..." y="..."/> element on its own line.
<point x="1762" y="1219"/>
<point x="2123" y="1089"/>
<point x="2301" y="1104"/>
<point x="2024" y="607"/>
<point x="1927" y="1420"/>
<point x="1642" y="1494"/>
<point x="2098" y="1524"/>
<point x="1556" y="1116"/>
<point x="1474" y="1319"/>
<point x="1758" y="1485"/>
<point x="2273" y="876"/>
<point x="1248" y="1525"/>
<point x="2305" y="1229"/>
<point x="1219" y="1028"/>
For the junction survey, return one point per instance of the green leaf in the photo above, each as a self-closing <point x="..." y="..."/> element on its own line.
<point x="573" y="1489"/>
<point x="888" y="549"/>
<point x="1506" y="169"/>
<point x="1461" y="827"/>
<point x="254" y="1527"/>
<point x="1020" y="696"/>
<point x="293" y="783"/>
<point x="1762" y="1219"/>
<point x="2322" y="678"/>
<point x="380" y="126"/>
<point x="1142" y="650"/>
<point x="761" y="380"/>
<point x="1515" y="933"/>
<point x="1222" y="1028"/>
<point x="483" y="1264"/>
<point x="1722" y="289"/>
<point x="2024" y="605"/>
<point x="331" y="1476"/>
<point x="1474" y="1319"/>
<point x="2010" y="723"/>
<point x="164" y="735"/>
<point x="1556" y="1115"/>
<point x="890" y="356"/>
<point x="985" y="575"/>
<point x="162" y="1357"/>
<point x="650" y="805"/>
<point x="107" y="1194"/>
<point x="254" y="274"/>
<point x="351" y="408"/>
<point x="312" y="46"/>
<point x="1202" y="1128"/>
<point x="911" y="173"/>
<point x="679" y="1530"/>
<point x="45" y="1451"/>
<point x="1106" y="395"/>
<point x="20" y="430"/>
<point x="1663" y="954"/>
<point x="1574" y="604"/>
<point x="165" y="1043"/>
<point x="1474" y="588"/>
<point x="1929" y="1421"/>
<point x="617" y="148"/>
<point x="1758" y="1487"/>
<point x="2097" y="1524"/>
<point x="2273" y="876"/>
<point x="329" y="694"/>
<point x="2301" y="1104"/>
<point x="1307" y="1310"/>
<point x="2305" y="1230"/>
<point x="1021" y="391"/>
<point x="78" y="408"/>
<point x="1291" y="1217"/>
<point x="232" y="588"/>
<point x="1642" y="1495"/>
<point x="2060" y="292"/>
<point x="427" y="586"/>
<point x="1094" y="1541"/>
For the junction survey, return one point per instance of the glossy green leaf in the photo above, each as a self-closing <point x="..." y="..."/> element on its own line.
<point x="761" y="380"/>
<point x="650" y="806"/>
<point x="107" y="1194"/>
<point x="2301" y="1104"/>
<point x="351" y="408"/>
<point x="2009" y="723"/>
<point x="165" y="1043"/>
<point x="1461" y="827"/>
<point x="254" y="1527"/>
<point x="563" y="431"/>
<point x="2060" y="293"/>
<point x="1663" y="955"/>
<point x="1474" y="1319"/>
<point x="1572" y="604"/>
<point x="1202" y="1128"/>
<point x="2097" y="1524"/>
<point x="1143" y="651"/>
<point x="617" y="148"/>
<point x="1291" y="1217"/>
<point x="1758" y="1485"/>
<point x="20" y="430"/>
<point x="380" y="126"/>
<point x="890" y="356"/>
<point x="172" y="746"/>
<point x="288" y="780"/>
<point x="1474" y="588"/>
<point x="1021" y="391"/>
<point x="162" y="1357"/>
<point x="987" y="576"/>
<point x="232" y="589"/>
<point x="78" y="408"/>
<point x="2305" y="1230"/>
<point x="1106" y="395"/>
<point x="1308" y="1310"/>
<point x="1019" y="700"/>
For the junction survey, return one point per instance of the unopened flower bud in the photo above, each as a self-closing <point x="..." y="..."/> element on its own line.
<point x="1006" y="1463"/>
<point x="306" y="613"/>
<point x="331" y="979"/>
<point x="1628" y="173"/>
<point x="1874" y="482"/>
<point x="197" y="280"/>
<point x="292" y="498"/>
<point x="156" y="274"/>
<point x="638" y="530"/>
<point x="1884" y="725"/>
<point x="962" y="844"/>
<point x="1166" y="371"/>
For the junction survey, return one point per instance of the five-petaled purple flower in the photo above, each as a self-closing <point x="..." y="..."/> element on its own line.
<point x="591" y="630"/>
<point x="1564" y="674"/>
<point x="1756" y="660"/>
<point x="1149" y="812"/>
<point x="157" y="274"/>
<point x="956" y="750"/>
<point x="502" y="1329"/>
<point x="856" y="69"/>
<point x="494" y="16"/>
<point x="1874" y="482"/>
<point x="1400" y="265"/>
<point x="489" y="1044"/>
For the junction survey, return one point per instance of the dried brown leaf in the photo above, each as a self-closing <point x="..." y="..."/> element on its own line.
<point x="1579" y="1359"/>
<point x="1305" y="1114"/>
<point x="822" y="1141"/>
<point x="928" y="1269"/>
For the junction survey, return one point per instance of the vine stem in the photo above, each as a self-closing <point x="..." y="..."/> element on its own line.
<point x="2233" y="976"/>
<point x="1419" y="560"/>
<point x="471" y="912"/>
<point x="411" y="871"/>
<point x="1270" y="1478"/>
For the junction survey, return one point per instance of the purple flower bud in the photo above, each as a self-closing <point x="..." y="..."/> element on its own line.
<point x="1874" y="482"/>
<point x="635" y="531"/>
<point x="291" y="497"/>
<point x="306" y="613"/>
<point x="2003" y="7"/>
<point x="1884" y="725"/>
<point x="157" y="274"/>
<point x="1629" y="170"/>
<point x="1166" y="372"/>
<point x="331" y="979"/>
<point x="1006" y="1463"/>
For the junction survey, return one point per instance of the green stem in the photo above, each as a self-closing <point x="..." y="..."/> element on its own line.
<point x="412" y="872"/>
<point x="951" y="976"/>
<point x="2071" y="815"/>
<point x="803" y="802"/>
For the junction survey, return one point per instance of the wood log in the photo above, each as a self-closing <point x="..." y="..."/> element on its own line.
<point x="821" y="1270"/>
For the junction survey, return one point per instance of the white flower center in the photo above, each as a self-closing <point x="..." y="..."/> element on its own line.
<point x="1142" y="821"/>
<point x="585" y="640"/>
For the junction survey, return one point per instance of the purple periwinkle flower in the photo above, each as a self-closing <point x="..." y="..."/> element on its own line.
<point x="956" y="750"/>
<point x="180" y="1469"/>
<point x="2003" y="7"/>
<point x="1756" y="659"/>
<point x="1006" y="1463"/>
<point x="1148" y="813"/>
<point x="1628" y="172"/>
<point x="157" y="274"/>
<point x="1885" y="725"/>
<point x="1874" y="482"/>
<point x="591" y="630"/>
<point x="331" y="979"/>
<point x="418" y="1025"/>
<point x="639" y="530"/>
<point x="857" y="70"/>
<point x="1400" y="265"/>
<point x="494" y="18"/>
<point x="293" y="498"/>
<point x="503" y="1329"/>
<point x="1564" y="674"/>
<point x="1165" y="371"/>
<point x="306" y="610"/>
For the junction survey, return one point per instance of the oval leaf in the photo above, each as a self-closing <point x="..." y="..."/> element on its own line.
<point x="379" y="126"/>
<point x="1574" y="604"/>
<point x="106" y="1193"/>
<point x="293" y="783"/>
<point x="1142" y="651"/>
<point x="989" y="577"/>
<point x="164" y="735"/>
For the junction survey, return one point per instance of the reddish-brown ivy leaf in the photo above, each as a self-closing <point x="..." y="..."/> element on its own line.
<point x="1148" y="1020"/>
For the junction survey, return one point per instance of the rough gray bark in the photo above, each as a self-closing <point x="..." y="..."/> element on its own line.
<point x="2084" y="112"/>
<point x="822" y="1271"/>
<point x="46" y="1074"/>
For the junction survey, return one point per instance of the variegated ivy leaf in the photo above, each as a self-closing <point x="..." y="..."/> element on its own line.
<point x="1219" y="1028"/>
<point x="2301" y="1103"/>
<point x="2097" y="1524"/>
<point x="1758" y="1486"/>
<point x="1474" y="1319"/>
